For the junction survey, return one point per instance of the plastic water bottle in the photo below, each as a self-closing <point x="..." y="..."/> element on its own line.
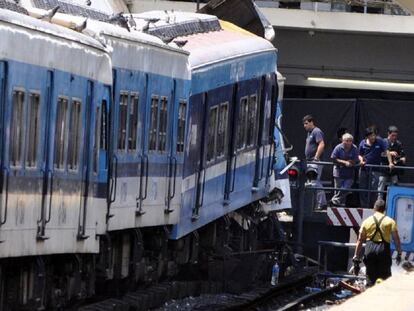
<point x="275" y="274"/>
<point x="312" y="289"/>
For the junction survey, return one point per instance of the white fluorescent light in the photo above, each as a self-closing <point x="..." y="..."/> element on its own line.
<point x="361" y="84"/>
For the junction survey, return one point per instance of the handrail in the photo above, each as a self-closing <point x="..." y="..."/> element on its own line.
<point x="397" y="9"/>
<point x="138" y="199"/>
<point x="50" y="173"/>
<point x="262" y="163"/>
<point x="170" y="175"/>
<point x="311" y="185"/>
<point x="139" y="174"/>
<point x="175" y="176"/>
<point x="146" y="177"/>
<point x="342" y="189"/>
<point x="204" y="187"/>
<point x="326" y="163"/>
<point x="234" y="172"/>
<point x="114" y="179"/>
<point x="4" y="220"/>
<point x="270" y="163"/>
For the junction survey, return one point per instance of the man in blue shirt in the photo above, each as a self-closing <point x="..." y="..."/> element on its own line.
<point x="370" y="150"/>
<point x="345" y="155"/>
<point x="314" y="148"/>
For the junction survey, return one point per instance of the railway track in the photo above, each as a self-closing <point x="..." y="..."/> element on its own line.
<point x="291" y="294"/>
<point x="155" y="296"/>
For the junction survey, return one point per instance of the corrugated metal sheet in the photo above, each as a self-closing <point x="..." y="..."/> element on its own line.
<point x="12" y="6"/>
<point x="243" y="13"/>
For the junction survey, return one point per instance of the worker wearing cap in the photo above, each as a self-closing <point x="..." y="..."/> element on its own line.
<point x="377" y="230"/>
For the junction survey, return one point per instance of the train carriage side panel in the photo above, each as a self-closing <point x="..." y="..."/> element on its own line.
<point x="36" y="206"/>
<point x="146" y="180"/>
<point x="204" y="185"/>
<point x="127" y="137"/>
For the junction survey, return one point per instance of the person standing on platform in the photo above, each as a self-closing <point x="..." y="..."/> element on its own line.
<point x="370" y="150"/>
<point x="398" y="158"/>
<point x="345" y="155"/>
<point x="314" y="148"/>
<point x="377" y="230"/>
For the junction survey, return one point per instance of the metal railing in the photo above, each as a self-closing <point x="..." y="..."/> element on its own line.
<point x="360" y="6"/>
<point x="302" y="188"/>
<point x="370" y="168"/>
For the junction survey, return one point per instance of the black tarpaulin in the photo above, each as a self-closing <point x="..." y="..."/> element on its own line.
<point x="353" y="114"/>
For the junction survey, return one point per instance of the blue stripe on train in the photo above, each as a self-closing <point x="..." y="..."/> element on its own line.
<point x="216" y="209"/>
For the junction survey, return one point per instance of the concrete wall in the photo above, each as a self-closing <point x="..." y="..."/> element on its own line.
<point x="344" y="55"/>
<point x="330" y="44"/>
<point x="137" y="6"/>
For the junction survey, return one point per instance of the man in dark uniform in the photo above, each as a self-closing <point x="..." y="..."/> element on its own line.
<point x="397" y="153"/>
<point x="377" y="231"/>
<point x="370" y="151"/>
<point x="314" y="148"/>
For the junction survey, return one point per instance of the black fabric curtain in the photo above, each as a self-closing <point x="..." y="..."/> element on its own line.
<point x="330" y="115"/>
<point x="353" y="114"/>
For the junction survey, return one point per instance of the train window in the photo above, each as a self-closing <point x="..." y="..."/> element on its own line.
<point x="122" y="121"/>
<point x="212" y="125"/>
<point x="181" y="126"/>
<point x="242" y="123"/>
<point x="162" y="132"/>
<point x="251" y="122"/>
<point x="16" y="130"/>
<point x="96" y="141"/>
<point x="153" y="124"/>
<point x="74" y="137"/>
<point x="60" y="132"/>
<point x="33" y="130"/>
<point x="133" y="123"/>
<point x="104" y="124"/>
<point x="404" y="212"/>
<point x="222" y="129"/>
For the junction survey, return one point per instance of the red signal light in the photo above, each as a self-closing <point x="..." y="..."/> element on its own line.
<point x="293" y="173"/>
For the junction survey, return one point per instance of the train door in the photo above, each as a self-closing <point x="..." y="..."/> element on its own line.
<point x="194" y="159"/>
<point x="85" y="165"/>
<point x="157" y="147"/>
<point x="143" y="152"/>
<point x="23" y="157"/>
<point x="66" y="180"/>
<point x="241" y="169"/>
<point x="99" y="155"/>
<point x="127" y="160"/>
<point x="215" y="151"/>
<point x="177" y="131"/>
<point x="172" y="153"/>
<point x="265" y="142"/>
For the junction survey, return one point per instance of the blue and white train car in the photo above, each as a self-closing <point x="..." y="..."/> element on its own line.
<point x="230" y="147"/>
<point x="400" y="207"/>
<point x="54" y="84"/>
<point x="151" y="82"/>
